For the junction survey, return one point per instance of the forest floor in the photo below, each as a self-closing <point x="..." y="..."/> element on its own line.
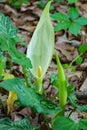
<point x="26" y="19"/>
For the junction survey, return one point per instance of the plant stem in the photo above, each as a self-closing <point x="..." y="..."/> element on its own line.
<point x="74" y="60"/>
<point x="10" y="61"/>
<point x="39" y="87"/>
<point x="25" y="75"/>
<point x="1" y="103"/>
<point x="46" y="120"/>
<point x="71" y="112"/>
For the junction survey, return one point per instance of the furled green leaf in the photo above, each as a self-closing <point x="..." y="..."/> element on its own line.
<point x="28" y="97"/>
<point x="82" y="48"/>
<point x="61" y="26"/>
<point x="60" y="17"/>
<point x="62" y="84"/>
<point x="65" y="123"/>
<point x="72" y="1"/>
<point x="73" y="12"/>
<point x="41" y="46"/>
<point x="74" y="28"/>
<point x="82" y="21"/>
<point x="7" y="124"/>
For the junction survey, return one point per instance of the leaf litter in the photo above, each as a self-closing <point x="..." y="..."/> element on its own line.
<point x="67" y="50"/>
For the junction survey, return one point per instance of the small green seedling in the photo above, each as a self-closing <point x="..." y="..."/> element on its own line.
<point x="17" y="3"/>
<point x="79" y="59"/>
<point x="72" y="21"/>
<point x="72" y="1"/>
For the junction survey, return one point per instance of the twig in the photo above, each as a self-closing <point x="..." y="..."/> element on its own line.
<point x="81" y="95"/>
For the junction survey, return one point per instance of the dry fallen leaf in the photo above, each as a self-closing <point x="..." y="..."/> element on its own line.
<point x="68" y="51"/>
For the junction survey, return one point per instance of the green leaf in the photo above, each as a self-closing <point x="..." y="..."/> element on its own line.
<point x="72" y="1"/>
<point x="59" y="0"/>
<point x="83" y="48"/>
<point x="65" y="66"/>
<point x="83" y="124"/>
<point x="61" y="26"/>
<point x="74" y="28"/>
<point x="72" y="99"/>
<point x="2" y="62"/>
<point x="7" y="28"/>
<point x="73" y="69"/>
<point x="65" y="123"/>
<point x="73" y="12"/>
<point x="82" y="21"/>
<point x="4" y="42"/>
<point x="7" y="124"/>
<point x="41" y="46"/>
<point x="41" y="4"/>
<point x="60" y="17"/>
<point x="28" y="96"/>
<point x="8" y="39"/>
<point x="79" y="60"/>
<point x="19" y="57"/>
<point x="8" y="32"/>
<point x="54" y="80"/>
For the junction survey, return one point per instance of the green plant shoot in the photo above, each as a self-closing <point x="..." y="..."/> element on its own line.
<point x="41" y="46"/>
<point x="62" y="85"/>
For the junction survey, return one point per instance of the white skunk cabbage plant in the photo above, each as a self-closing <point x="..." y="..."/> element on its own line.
<point x="41" y="47"/>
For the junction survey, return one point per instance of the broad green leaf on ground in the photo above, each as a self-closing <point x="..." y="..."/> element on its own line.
<point x="61" y="26"/>
<point x="82" y="21"/>
<point x="7" y="124"/>
<point x="60" y="17"/>
<point x="73" y="13"/>
<point x="65" y="123"/>
<point x="74" y="28"/>
<point x="7" y="28"/>
<point x="41" y="46"/>
<point x="72" y="1"/>
<point x="28" y="97"/>
<point x="16" y="56"/>
<point x="8" y="39"/>
<point x="82" y="48"/>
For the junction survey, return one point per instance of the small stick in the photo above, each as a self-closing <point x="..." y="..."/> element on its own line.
<point x="81" y="95"/>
